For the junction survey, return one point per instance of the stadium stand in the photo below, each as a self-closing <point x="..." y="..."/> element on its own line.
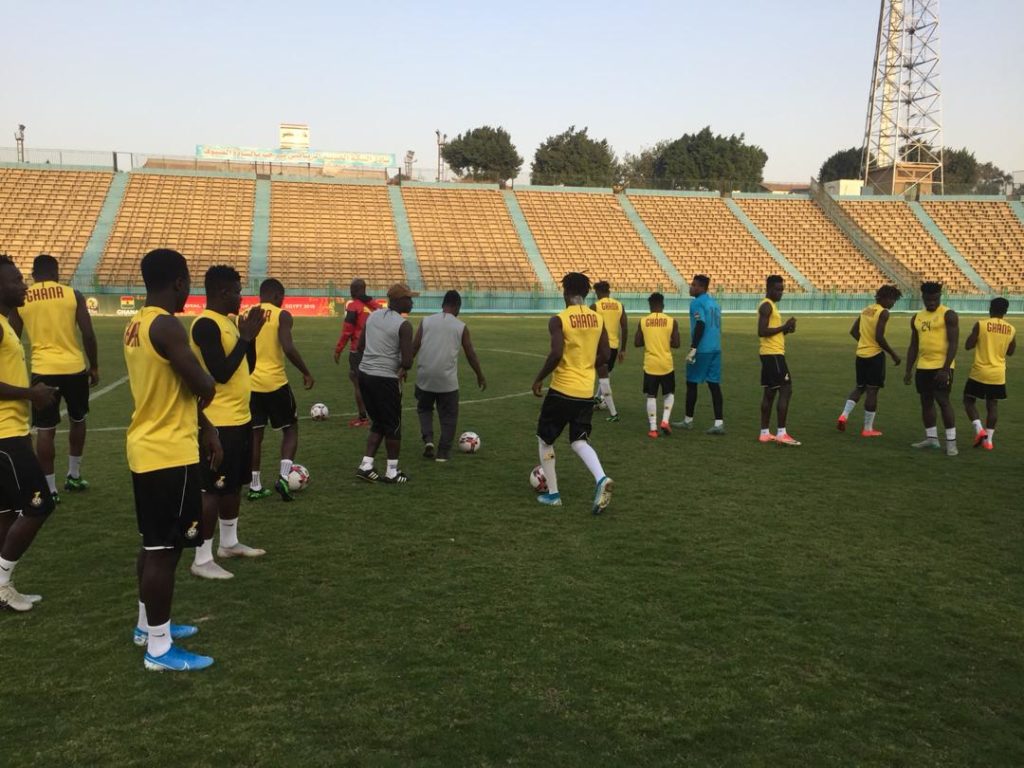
<point x="893" y="226"/>
<point x="701" y="236"/>
<point x="988" y="235"/>
<point x="465" y="239"/>
<point x="814" y="245"/>
<point x="578" y="231"/>
<point x="327" y="234"/>
<point x="208" y="219"/>
<point x="51" y="212"/>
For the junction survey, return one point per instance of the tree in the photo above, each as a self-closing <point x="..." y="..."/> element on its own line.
<point x="574" y="159"/>
<point x="844" y="164"/>
<point x="992" y="180"/>
<point x="638" y="170"/>
<point x="709" y="159"/>
<point x="483" y="154"/>
<point x="959" y="168"/>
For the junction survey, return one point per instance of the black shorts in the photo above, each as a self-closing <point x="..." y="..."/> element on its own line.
<point x="278" y="407"/>
<point x="774" y="371"/>
<point x="613" y="355"/>
<point x="235" y="468"/>
<point x="981" y="391"/>
<point x="382" y="397"/>
<point x="72" y="388"/>
<point x="666" y="381"/>
<point x="924" y="380"/>
<point x="560" y="410"/>
<point x="23" y="486"/>
<point x="871" y="371"/>
<point x="168" y="507"/>
<point x="354" y="359"/>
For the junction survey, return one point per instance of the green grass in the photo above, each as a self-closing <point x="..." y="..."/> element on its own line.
<point x="849" y="602"/>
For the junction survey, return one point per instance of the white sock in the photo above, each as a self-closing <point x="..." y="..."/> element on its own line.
<point x="51" y="480"/>
<point x="780" y="432"/>
<point x="718" y="422"/>
<point x="547" y="463"/>
<point x="978" y="427"/>
<point x="256" y="484"/>
<point x="74" y="466"/>
<point x="991" y="434"/>
<point x="159" y="641"/>
<point x="765" y="432"/>
<point x="286" y="467"/>
<point x="951" y="433"/>
<point x="392" y="468"/>
<point x="6" y="570"/>
<point x="652" y="413"/>
<point x="366" y="463"/>
<point x="666" y="408"/>
<point x="848" y="408"/>
<point x="586" y="452"/>
<point x="204" y="552"/>
<point x="229" y="532"/>
<point x="931" y="432"/>
<point x="604" y="386"/>
<point x="869" y="419"/>
<point x="143" y="623"/>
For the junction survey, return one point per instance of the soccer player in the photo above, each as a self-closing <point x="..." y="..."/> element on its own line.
<point x="25" y="498"/>
<point x="869" y="331"/>
<point x="228" y="353"/>
<point x="272" y="399"/>
<point x="992" y="341"/>
<point x="579" y="351"/>
<point x="357" y="310"/>
<point x="163" y="453"/>
<point x="775" y="378"/>
<point x="53" y="315"/>
<point x="436" y="347"/>
<point x="658" y="334"/>
<point x="704" y="360"/>
<point x="386" y="346"/>
<point x="616" y="325"/>
<point x="934" y="336"/>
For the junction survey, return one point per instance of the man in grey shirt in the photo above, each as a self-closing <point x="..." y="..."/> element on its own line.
<point x="437" y="344"/>
<point x="386" y="347"/>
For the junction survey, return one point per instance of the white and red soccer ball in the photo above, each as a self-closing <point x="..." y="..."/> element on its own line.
<point x="319" y="412"/>
<point x="538" y="481"/>
<point x="298" y="478"/>
<point x="469" y="442"/>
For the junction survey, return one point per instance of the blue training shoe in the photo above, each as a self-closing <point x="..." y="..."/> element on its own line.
<point x="550" y="499"/>
<point x="178" y="632"/>
<point x="603" y="495"/>
<point x="177" y="660"/>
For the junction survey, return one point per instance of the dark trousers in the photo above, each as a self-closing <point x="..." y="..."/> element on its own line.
<point x="447" y="413"/>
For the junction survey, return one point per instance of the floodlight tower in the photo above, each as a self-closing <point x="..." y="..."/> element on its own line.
<point x="903" y="134"/>
<point x="19" y="143"/>
<point x="442" y="140"/>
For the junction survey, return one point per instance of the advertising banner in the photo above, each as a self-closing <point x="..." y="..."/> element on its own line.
<point x="128" y="305"/>
<point x="298" y="156"/>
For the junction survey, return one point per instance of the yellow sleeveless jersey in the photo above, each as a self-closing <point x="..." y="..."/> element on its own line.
<point x="269" y="374"/>
<point x="772" y="345"/>
<point x="230" y="406"/>
<point x="581" y="329"/>
<point x="657" y="331"/>
<point x="994" y="337"/>
<point x="13" y="413"/>
<point x="610" y="311"/>
<point x="932" y="343"/>
<point x="866" y="345"/>
<point x="165" y="424"/>
<point x="49" y="316"/>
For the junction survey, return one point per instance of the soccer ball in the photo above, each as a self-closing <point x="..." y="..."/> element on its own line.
<point x="469" y="442"/>
<point x="298" y="478"/>
<point x="319" y="412"/>
<point x="538" y="480"/>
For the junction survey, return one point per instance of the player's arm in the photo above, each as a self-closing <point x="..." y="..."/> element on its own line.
<point x="404" y="348"/>
<point x="418" y="340"/>
<point x="623" y="334"/>
<point x="698" y="334"/>
<point x="855" y="329"/>
<point x="41" y="395"/>
<point x="638" y="337"/>
<point x="604" y="351"/>
<point x="880" y="326"/>
<point x="84" y="323"/>
<point x="209" y="439"/>
<point x="674" y="341"/>
<point x="284" y="335"/>
<point x="554" y="355"/>
<point x="952" y="343"/>
<point x="1012" y="347"/>
<point x="16" y="322"/>
<point x="169" y="340"/>
<point x="348" y="329"/>
<point x="206" y="335"/>
<point x="972" y="337"/>
<point x="764" y="314"/>
<point x="472" y="359"/>
<point x="911" y="352"/>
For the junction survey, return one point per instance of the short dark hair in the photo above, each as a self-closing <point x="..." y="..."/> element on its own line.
<point x="998" y="306"/>
<point x="702" y="280"/>
<point x="271" y="285"/>
<point x="773" y="280"/>
<point x="931" y="288"/>
<point x="602" y="286"/>
<point x="452" y="299"/>
<point x="45" y="264"/>
<point x="161" y="267"/>
<point x="889" y="292"/>
<point x="656" y="298"/>
<point x="220" y="277"/>
<point x="576" y="284"/>
<point x="5" y="259"/>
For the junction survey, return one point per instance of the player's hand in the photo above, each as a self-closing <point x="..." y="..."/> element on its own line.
<point x="250" y="324"/>
<point x="691" y="355"/>
<point x="789" y="326"/>
<point x="94" y="377"/>
<point x="481" y="382"/>
<point x="210" y="439"/>
<point x="907" y="377"/>
<point x="42" y="395"/>
<point x="942" y="377"/>
<point x="204" y="402"/>
<point x="896" y="360"/>
<point x="308" y="381"/>
<point x="401" y="374"/>
<point x="538" y="388"/>
<point x="621" y="355"/>
<point x="337" y="356"/>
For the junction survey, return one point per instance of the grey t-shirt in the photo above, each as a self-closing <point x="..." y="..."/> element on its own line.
<point x="382" y="355"/>
<point x="438" y="358"/>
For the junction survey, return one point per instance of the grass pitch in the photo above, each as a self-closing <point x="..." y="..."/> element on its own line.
<point x="849" y="602"/>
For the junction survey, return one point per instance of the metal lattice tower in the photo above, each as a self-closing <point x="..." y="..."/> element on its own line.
<point x="903" y="134"/>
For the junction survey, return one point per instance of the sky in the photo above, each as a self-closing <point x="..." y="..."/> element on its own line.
<point x="792" y="75"/>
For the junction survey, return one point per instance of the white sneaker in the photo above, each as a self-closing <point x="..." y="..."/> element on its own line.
<point x="32" y="598"/>
<point x="210" y="570"/>
<point x="239" y="550"/>
<point x="951" y="449"/>
<point x="928" y="442"/>
<point x="13" y="599"/>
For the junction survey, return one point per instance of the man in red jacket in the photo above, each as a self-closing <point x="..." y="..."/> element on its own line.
<point x="357" y="311"/>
